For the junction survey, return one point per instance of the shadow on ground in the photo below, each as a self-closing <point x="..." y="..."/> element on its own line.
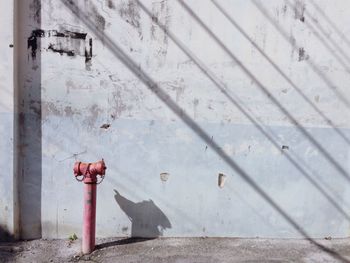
<point x="124" y="241"/>
<point x="7" y="247"/>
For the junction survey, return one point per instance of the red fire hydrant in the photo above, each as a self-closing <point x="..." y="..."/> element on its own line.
<point x="88" y="172"/>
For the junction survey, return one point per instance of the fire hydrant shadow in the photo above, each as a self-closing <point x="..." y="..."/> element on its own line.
<point x="147" y="220"/>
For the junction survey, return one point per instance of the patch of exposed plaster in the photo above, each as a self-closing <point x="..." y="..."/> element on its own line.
<point x="164" y="177"/>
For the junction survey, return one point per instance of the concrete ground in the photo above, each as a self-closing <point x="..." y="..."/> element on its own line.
<point x="179" y="250"/>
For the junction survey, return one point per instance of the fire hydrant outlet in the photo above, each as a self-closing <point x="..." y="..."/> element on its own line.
<point x="88" y="173"/>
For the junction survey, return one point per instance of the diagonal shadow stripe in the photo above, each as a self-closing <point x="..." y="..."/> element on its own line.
<point x="323" y="41"/>
<point x="327" y="36"/>
<point x="249" y="74"/>
<point x="236" y="102"/>
<point x="330" y="22"/>
<point x="280" y="71"/>
<point x="310" y="62"/>
<point x="165" y="98"/>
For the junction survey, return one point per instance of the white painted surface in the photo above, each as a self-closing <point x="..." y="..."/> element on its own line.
<point x="7" y="145"/>
<point x="146" y="138"/>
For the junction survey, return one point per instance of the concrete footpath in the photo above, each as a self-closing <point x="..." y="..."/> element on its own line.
<point x="179" y="250"/>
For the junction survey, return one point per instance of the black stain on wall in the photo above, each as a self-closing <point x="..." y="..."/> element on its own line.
<point x="68" y="34"/>
<point x="56" y="33"/>
<point x="302" y="54"/>
<point x="110" y="4"/>
<point x="32" y="43"/>
<point x="88" y="55"/>
<point x="105" y="126"/>
<point x="62" y="51"/>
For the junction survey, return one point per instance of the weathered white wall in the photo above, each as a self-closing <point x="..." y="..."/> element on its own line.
<point x="73" y="95"/>
<point x="8" y="196"/>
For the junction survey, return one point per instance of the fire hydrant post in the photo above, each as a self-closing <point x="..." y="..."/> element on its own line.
<point x="87" y="173"/>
